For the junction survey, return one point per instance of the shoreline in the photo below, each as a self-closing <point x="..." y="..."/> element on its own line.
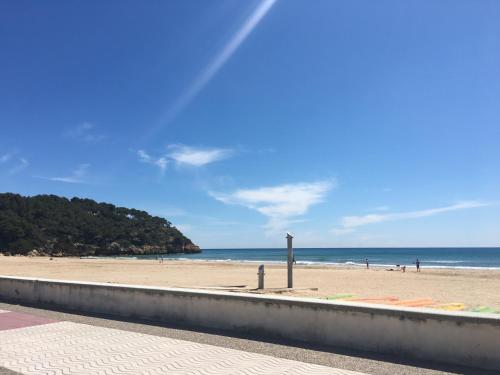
<point x="348" y="265"/>
<point x="306" y="264"/>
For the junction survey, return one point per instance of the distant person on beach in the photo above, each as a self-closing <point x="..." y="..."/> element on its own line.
<point x="293" y="260"/>
<point x="417" y="263"/>
<point x="403" y="268"/>
<point x="367" y="264"/>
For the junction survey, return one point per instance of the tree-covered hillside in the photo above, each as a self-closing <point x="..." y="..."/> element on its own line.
<point x="54" y="225"/>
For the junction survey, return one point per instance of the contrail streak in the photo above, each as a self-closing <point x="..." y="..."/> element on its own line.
<point x="215" y="65"/>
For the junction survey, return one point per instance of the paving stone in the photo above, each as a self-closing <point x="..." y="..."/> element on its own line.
<point x="73" y="348"/>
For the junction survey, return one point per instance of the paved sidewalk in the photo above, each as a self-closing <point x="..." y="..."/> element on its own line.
<point x="37" y="345"/>
<point x="332" y="357"/>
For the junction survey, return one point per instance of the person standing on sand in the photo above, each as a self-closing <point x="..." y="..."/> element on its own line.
<point x="367" y="264"/>
<point x="417" y="263"/>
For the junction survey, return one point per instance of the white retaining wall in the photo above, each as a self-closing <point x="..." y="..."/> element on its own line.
<point x="456" y="338"/>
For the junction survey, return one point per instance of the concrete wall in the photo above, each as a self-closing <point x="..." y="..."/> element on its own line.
<point x="457" y="338"/>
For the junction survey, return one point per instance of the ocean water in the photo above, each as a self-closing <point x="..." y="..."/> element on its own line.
<point x="461" y="258"/>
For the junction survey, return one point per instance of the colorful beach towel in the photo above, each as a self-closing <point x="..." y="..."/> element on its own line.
<point x="414" y="302"/>
<point x="485" y="309"/>
<point x="378" y="300"/>
<point x="450" y="306"/>
<point x="340" y="296"/>
<point x="421" y="302"/>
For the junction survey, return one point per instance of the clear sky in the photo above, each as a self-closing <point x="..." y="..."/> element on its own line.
<point x="348" y="123"/>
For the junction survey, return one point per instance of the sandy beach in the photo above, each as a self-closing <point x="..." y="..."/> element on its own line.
<point x="467" y="288"/>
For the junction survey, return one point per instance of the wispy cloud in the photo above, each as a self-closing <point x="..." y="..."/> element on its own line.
<point x="5" y="158"/>
<point x="21" y="164"/>
<point x="160" y="162"/>
<point x="183" y="155"/>
<point x="85" y="132"/>
<point x="14" y="163"/>
<point x="281" y="204"/>
<point x="216" y="63"/>
<point x="350" y="223"/>
<point x="197" y="157"/>
<point x="77" y="176"/>
<point x="381" y="208"/>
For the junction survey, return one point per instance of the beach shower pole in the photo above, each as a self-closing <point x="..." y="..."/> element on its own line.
<point x="289" y="238"/>
<point x="261" y="274"/>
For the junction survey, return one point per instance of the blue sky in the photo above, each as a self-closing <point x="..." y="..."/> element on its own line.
<point x="349" y="123"/>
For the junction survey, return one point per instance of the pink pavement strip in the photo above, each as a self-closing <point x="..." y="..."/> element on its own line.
<point x="31" y="346"/>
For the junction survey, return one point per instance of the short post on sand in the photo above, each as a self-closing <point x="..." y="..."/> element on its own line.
<point x="261" y="274"/>
<point x="289" y="238"/>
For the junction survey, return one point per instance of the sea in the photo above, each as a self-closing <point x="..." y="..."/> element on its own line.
<point x="438" y="257"/>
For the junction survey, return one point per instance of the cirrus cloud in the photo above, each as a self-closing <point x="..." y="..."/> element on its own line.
<point x="160" y="162"/>
<point x="349" y="223"/>
<point x="77" y="176"/>
<point x="5" y="158"/>
<point x="85" y="132"/>
<point x="22" y="163"/>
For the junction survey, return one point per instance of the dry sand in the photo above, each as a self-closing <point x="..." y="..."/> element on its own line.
<point x="470" y="287"/>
